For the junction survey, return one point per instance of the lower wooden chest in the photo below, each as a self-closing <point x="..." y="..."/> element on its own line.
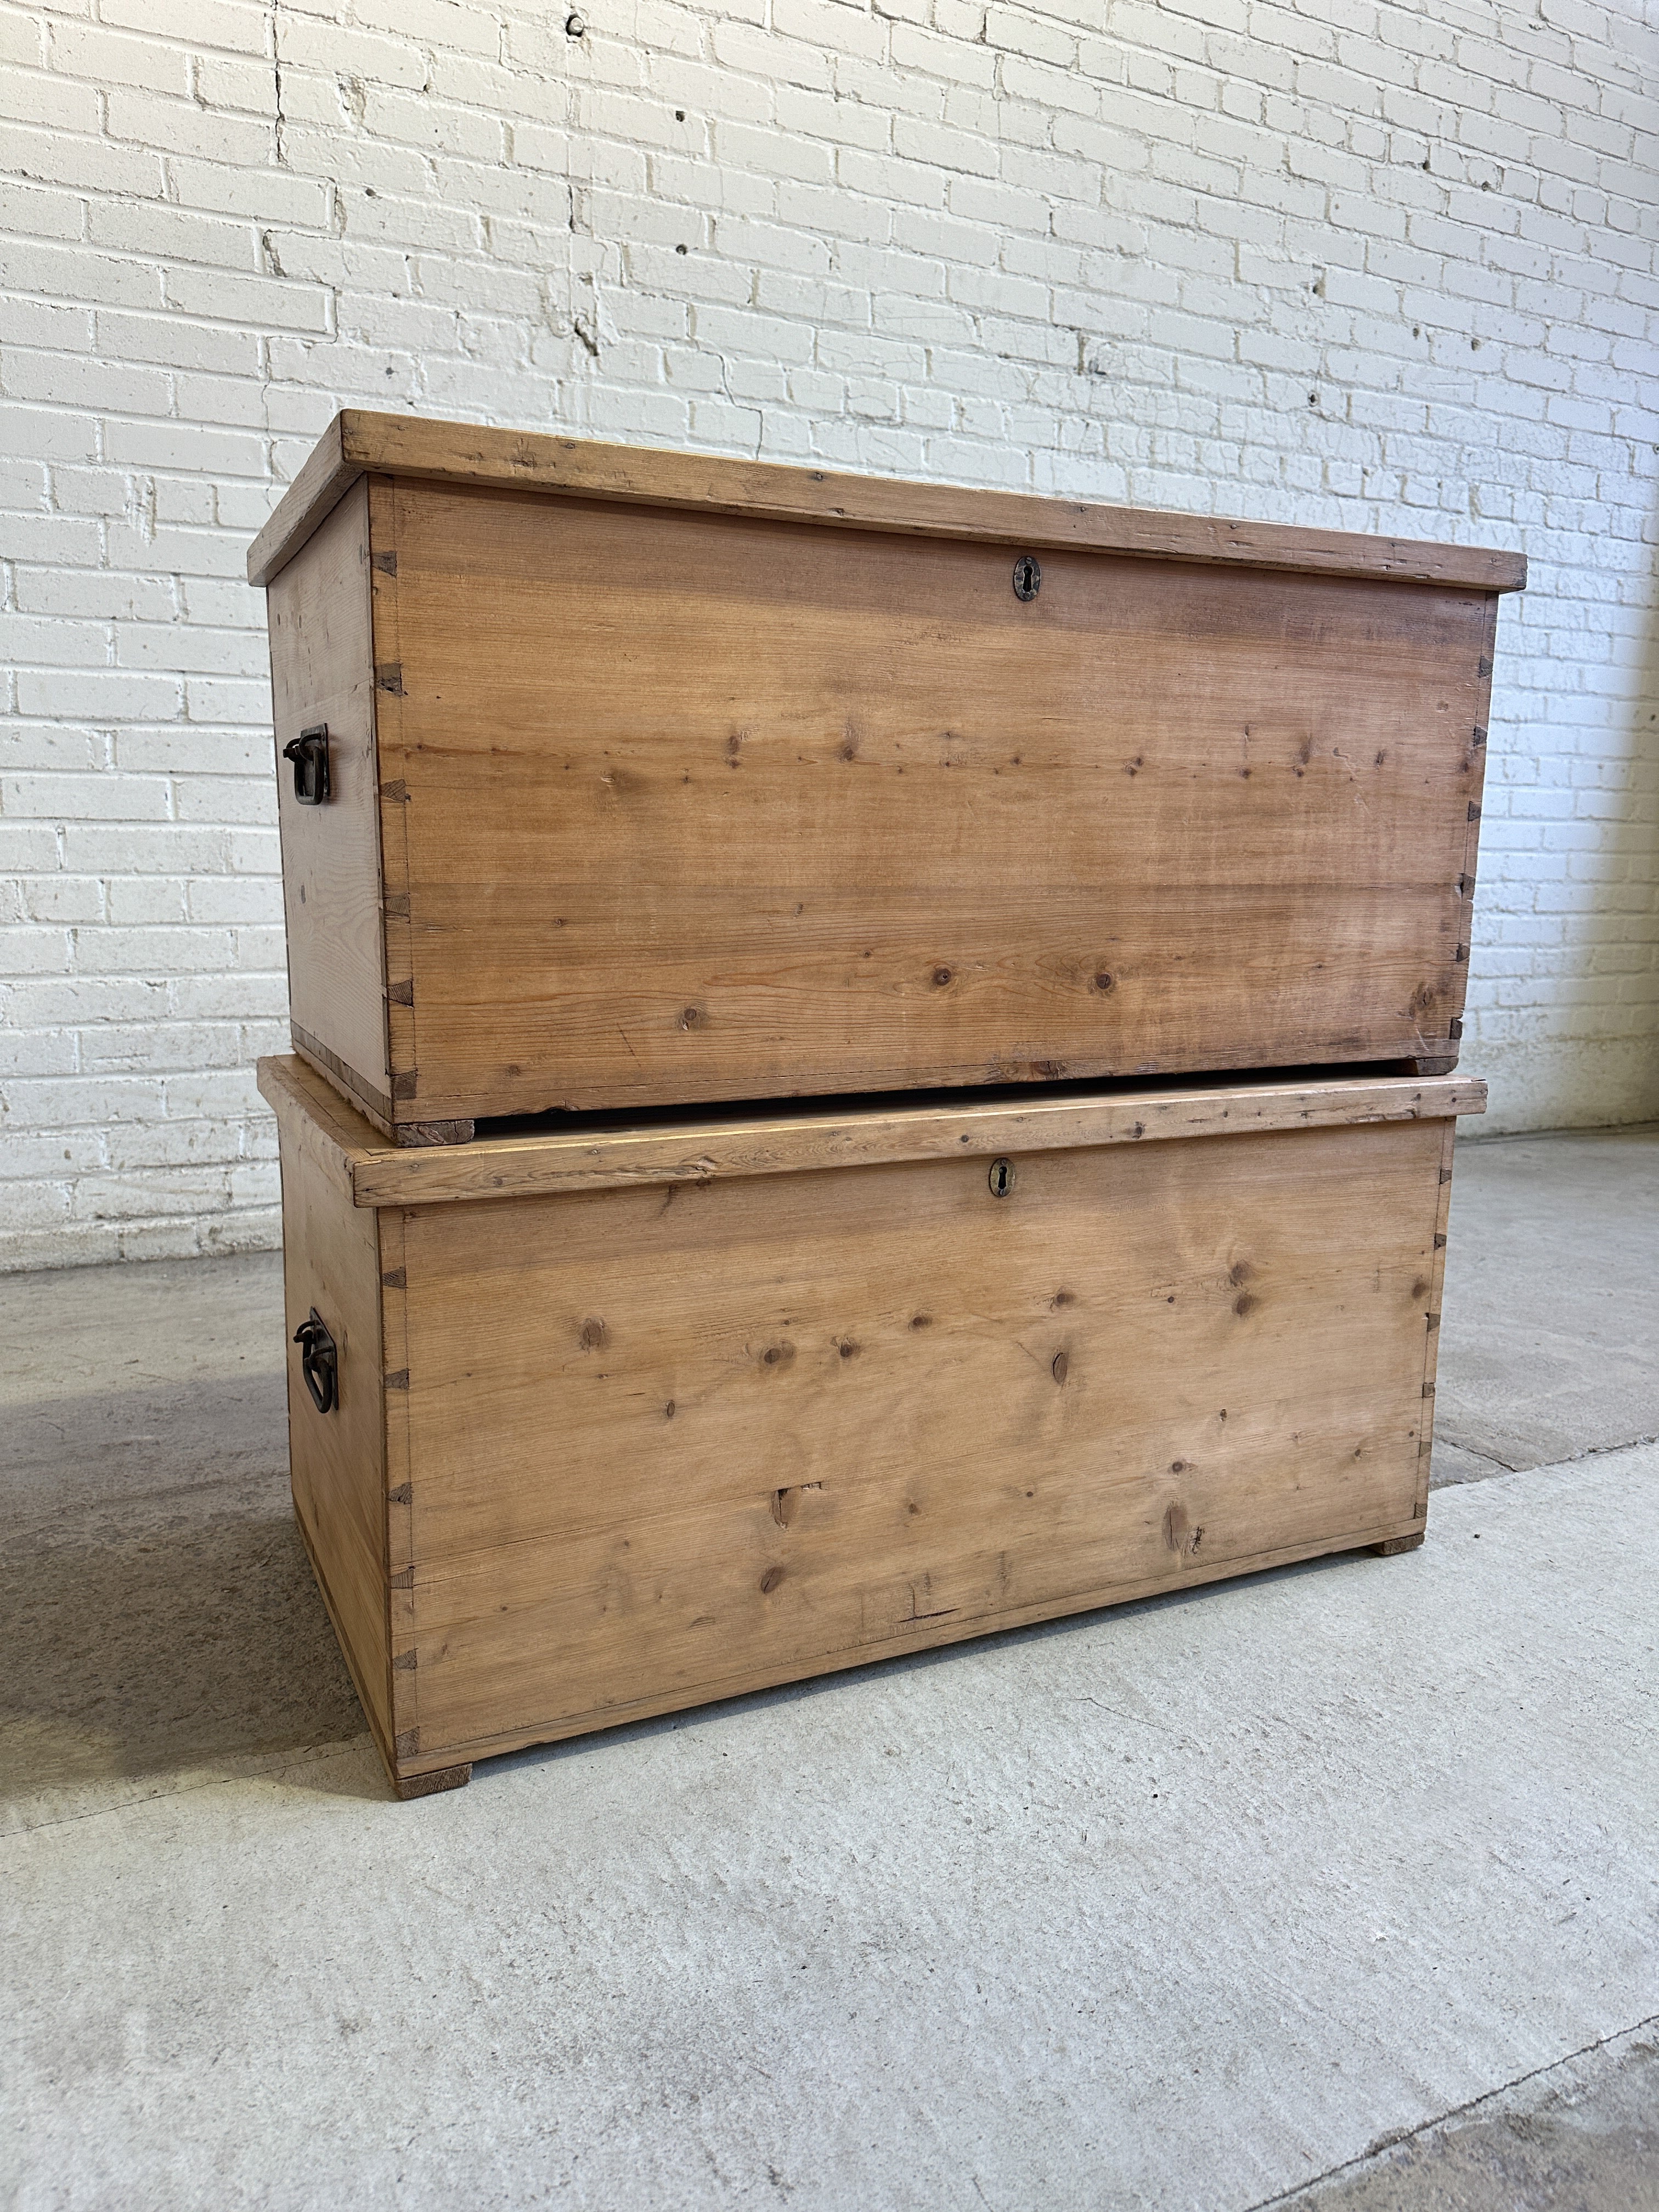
<point x="604" y="1421"/>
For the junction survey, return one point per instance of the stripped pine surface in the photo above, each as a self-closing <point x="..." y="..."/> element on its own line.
<point x="647" y="1443"/>
<point x="754" y="810"/>
<point x="322" y="675"/>
<point x="360" y="441"/>
<point x="612" y="1153"/>
<point x="682" y="790"/>
<point x="331" y="1263"/>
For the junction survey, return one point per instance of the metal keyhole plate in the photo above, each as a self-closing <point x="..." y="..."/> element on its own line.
<point x="1028" y="576"/>
<point x="1002" y="1178"/>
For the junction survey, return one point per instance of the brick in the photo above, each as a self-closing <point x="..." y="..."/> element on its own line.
<point x="35" y="211"/>
<point x="984" y="244"/>
<point x="136" y="902"/>
<point x="233" y="26"/>
<point x="98" y="695"/>
<point x="94" y="386"/>
<point x="176" y="344"/>
<point x="104" y="56"/>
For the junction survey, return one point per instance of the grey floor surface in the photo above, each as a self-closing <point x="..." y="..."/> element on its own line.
<point x="1338" y="1885"/>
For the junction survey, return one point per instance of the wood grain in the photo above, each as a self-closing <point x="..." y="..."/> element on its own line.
<point x="629" y="1446"/>
<point x="701" y="1149"/>
<point x="674" y="1445"/>
<point x="1431" y="1319"/>
<point x="360" y="441"/>
<point x="394" y="807"/>
<point x="689" y="807"/>
<point x="325" y="477"/>
<point x="321" y="672"/>
<point x="331" y="1261"/>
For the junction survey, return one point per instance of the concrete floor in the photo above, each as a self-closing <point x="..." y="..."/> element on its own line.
<point x="1339" y="1885"/>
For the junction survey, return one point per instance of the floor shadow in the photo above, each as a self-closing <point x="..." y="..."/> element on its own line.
<point x="147" y="1634"/>
<point x="99" y="1449"/>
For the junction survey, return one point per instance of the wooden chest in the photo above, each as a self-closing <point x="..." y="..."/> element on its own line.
<point x="609" y="1420"/>
<point x="654" y="779"/>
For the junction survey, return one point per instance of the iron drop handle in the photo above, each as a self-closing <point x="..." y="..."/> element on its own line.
<point x="309" y="754"/>
<point x="319" y="1362"/>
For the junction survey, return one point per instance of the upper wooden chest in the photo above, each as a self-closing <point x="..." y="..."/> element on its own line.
<point x="653" y="779"/>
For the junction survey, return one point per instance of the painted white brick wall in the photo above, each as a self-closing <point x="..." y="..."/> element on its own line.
<point x="1379" y="266"/>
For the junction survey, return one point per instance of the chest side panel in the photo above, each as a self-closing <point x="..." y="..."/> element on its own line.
<point x="322" y="673"/>
<point x="669" y="1444"/>
<point x="331" y="1263"/>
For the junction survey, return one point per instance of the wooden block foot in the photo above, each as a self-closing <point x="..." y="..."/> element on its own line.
<point x="427" y="1785"/>
<point x="435" y="1132"/>
<point x="1432" y="1064"/>
<point x="1385" y="1551"/>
